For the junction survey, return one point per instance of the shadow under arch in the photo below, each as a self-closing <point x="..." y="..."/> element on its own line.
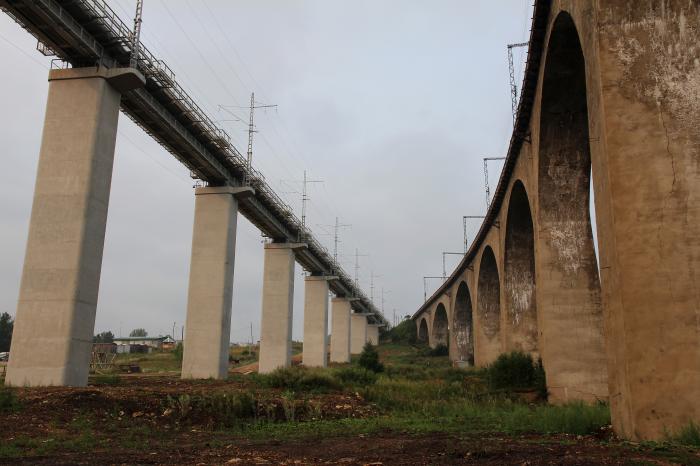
<point x="569" y="297"/>
<point x="521" y="333"/>
<point x="439" y="335"/>
<point x="463" y="325"/>
<point x="423" y="331"/>
<point x="488" y="330"/>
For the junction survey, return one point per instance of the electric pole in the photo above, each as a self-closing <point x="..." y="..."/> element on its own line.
<point x="357" y="266"/>
<point x="425" y="286"/>
<point x="338" y="226"/>
<point x="444" y="269"/>
<point x="371" y="285"/>
<point x="486" y="178"/>
<point x="464" y="224"/>
<point x="304" y="198"/>
<point x="513" y="85"/>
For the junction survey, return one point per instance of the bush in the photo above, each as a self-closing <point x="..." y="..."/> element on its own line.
<point x="106" y="379"/>
<point x="516" y="370"/>
<point x="439" y="350"/>
<point x="369" y="359"/>
<point x="352" y="376"/>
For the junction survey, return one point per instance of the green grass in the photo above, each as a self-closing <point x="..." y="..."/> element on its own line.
<point x="8" y="400"/>
<point x="688" y="435"/>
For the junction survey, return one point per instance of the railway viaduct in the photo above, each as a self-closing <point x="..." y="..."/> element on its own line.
<point x="105" y="69"/>
<point x="612" y="89"/>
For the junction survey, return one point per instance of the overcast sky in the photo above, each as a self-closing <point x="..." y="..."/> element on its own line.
<point x="392" y="104"/>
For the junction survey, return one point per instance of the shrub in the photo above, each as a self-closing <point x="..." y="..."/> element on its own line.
<point x="106" y="379"/>
<point x="516" y="370"/>
<point x="369" y="359"/>
<point x="353" y="376"/>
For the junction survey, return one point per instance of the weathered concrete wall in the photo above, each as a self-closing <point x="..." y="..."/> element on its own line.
<point x="423" y="333"/>
<point x="463" y="325"/>
<point x="568" y="288"/>
<point x="439" y="332"/>
<point x="646" y="112"/>
<point x="340" y="330"/>
<point x="487" y="330"/>
<point x="315" y="322"/>
<point x="520" y="328"/>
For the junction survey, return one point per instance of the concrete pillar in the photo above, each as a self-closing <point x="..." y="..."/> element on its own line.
<point x="277" y="306"/>
<point x="53" y="332"/>
<point x="340" y="330"/>
<point x="373" y="334"/>
<point x="316" y="321"/>
<point x="208" y="326"/>
<point x="358" y="333"/>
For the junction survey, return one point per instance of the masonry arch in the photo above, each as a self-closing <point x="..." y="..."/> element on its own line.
<point x="568" y="292"/>
<point x="521" y="333"/>
<point x="463" y="325"/>
<point x="488" y="292"/>
<point x="423" y="331"/>
<point x="440" y="331"/>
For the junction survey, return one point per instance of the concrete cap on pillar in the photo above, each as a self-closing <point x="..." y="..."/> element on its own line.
<point x="121" y="79"/>
<point x="286" y="245"/>
<point x="321" y="277"/>
<point x="238" y="192"/>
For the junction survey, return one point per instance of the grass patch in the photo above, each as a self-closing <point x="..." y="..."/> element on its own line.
<point x="689" y="435"/>
<point x="8" y="400"/>
<point x="298" y="379"/>
<point x="105" y="379"/>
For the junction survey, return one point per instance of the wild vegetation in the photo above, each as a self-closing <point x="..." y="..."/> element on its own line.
<point x="396" y="387"/>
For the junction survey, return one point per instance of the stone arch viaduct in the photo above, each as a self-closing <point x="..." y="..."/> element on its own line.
<point x="612" y="90"/>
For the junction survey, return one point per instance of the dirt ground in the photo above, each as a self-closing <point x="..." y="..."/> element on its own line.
<point x="50" y="415"/>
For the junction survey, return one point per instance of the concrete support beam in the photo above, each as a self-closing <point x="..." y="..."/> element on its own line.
<point x="358" y="332"/>
<point x="53" y="332"/>
<point x="208" y="326"/>
<point x="316" y="321"/>
<point x="277" y="306"/>
<point x="373" y="334"/>
<point x="340" y="330"/>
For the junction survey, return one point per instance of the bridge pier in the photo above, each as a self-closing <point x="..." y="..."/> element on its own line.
<point x="208" y="325"/>
<point x="373" y="334"/>
<point x="340" y="330"/>
<point x="358" y="333"/>
<point x="277" y="306"/>
<point x="316" y="321"/>
<point x="53" y="332"/>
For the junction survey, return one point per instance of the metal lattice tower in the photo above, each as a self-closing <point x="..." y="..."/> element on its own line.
<point x="513" y="85"/>
<point x="464" y="225"/>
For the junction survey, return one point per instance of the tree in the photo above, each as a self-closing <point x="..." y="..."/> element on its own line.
<point x="138" y="332"/>
<point x="104" y="337"/>
<point x="6" y="327"/>
<point x="369" y="359"/>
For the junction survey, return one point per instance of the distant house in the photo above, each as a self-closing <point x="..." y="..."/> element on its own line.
<point x="142" y="344"/>
<point x="169" y="343"/>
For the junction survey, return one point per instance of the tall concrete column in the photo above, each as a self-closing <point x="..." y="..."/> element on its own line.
<point x="316" y="321"/>
<point x="358" y="332"/>
<point x="340" y="330"/>
<point x="209" y="296"/>
<point x="373" y="334"/>
<point x="277" y="306"/>
<point x="53" y="332"/>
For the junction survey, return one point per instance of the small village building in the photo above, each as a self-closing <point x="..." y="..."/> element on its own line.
<point x="141" y="344"/>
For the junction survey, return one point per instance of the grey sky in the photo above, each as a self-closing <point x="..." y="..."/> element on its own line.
<point x="392" y="103"/>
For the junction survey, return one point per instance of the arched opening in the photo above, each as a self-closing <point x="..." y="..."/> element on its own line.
<point x="423" y="331"/>
<point x="521" y="331"/>
<point x="440" y="327"/>
<point x="488" y="338"/>
<point x="463" y="325"/>
<point x="569" y="289"/>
